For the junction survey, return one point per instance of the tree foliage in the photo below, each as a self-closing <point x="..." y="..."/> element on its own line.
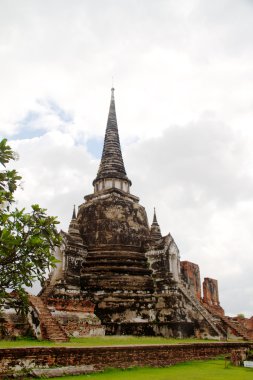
<point x="26" y="239"/>
<point x="9" y="179"/>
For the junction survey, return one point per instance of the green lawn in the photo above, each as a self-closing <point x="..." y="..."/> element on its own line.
<point x="197" y="370"/>
<point x="97" y="341"/>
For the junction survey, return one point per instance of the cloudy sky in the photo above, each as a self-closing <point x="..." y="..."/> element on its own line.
<point x="183" y="73"/>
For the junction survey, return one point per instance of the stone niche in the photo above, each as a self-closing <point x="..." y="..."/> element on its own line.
<point x="164" y="261"/>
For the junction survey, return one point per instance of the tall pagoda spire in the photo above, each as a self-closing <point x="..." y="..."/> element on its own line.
<point x="74" y="212"/>
<point x="155" y="231"/>
<point x="73" y="229"/>
<point x="155" y="219"/>
<point x="111" y="172"/>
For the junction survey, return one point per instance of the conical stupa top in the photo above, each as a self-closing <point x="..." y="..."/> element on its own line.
<point x="112" y="164"/>
<point x="155" y="231"/>
<point x="74" y="212"/>
<point x="154" y="218"/>
<point x="73" y="229"/>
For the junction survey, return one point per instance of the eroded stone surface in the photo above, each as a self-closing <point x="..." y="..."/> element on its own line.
<point x="210" y="292"/>
<point x="191" y="276"/>
<point x="113" y="219"/>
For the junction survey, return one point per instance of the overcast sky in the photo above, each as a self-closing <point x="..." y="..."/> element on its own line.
<point x="183" y="74"/>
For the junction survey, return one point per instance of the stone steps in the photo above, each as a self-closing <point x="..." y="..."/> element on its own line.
<point x="136" y="298"/>
<point x="122" y="249"/>
<point x="115" y="281"/>
<point x="116" y="269"/>
<point x="117" y="255"/>
<point x="50" y="328"/>
<point x="114" y="261"/>
<point x="45" y="293"/>
<point x="201" y="309"/>
<point x="241" y="331"/>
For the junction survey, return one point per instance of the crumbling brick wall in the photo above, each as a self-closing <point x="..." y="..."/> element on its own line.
<point x="191" y="275"/>
<point x="111" y="357"/>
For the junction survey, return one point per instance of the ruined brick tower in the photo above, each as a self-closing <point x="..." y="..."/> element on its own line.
<point x="117" y="268"/>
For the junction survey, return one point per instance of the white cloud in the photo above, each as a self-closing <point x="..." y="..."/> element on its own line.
<point x="56" y="173"/>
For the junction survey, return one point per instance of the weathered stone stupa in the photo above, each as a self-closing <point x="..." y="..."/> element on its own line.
<point x="114" y="225"/>
<point x="118" y="275"/>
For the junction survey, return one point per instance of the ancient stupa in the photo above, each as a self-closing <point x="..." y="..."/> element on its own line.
<point x="118" y="275"/>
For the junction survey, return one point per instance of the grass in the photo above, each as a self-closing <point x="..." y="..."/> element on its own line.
<point x="97" y="341"/>
<point x="196" y="370"/>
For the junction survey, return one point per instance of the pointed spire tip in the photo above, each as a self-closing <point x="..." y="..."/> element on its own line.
<point x="112" y="164"/>
<point x="154" y="217"/>
<point x="74" y="212"/>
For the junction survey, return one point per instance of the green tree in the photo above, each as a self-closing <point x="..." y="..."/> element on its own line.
<point x="26" y="239"/>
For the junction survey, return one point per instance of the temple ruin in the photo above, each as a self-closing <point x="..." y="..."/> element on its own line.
<point x="118" y="275"/>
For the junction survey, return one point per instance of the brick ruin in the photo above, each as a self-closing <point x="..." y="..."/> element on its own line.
<point x="191" y="275"/>
<point x="118" y="275"/>
<point x="48" y="362"/>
